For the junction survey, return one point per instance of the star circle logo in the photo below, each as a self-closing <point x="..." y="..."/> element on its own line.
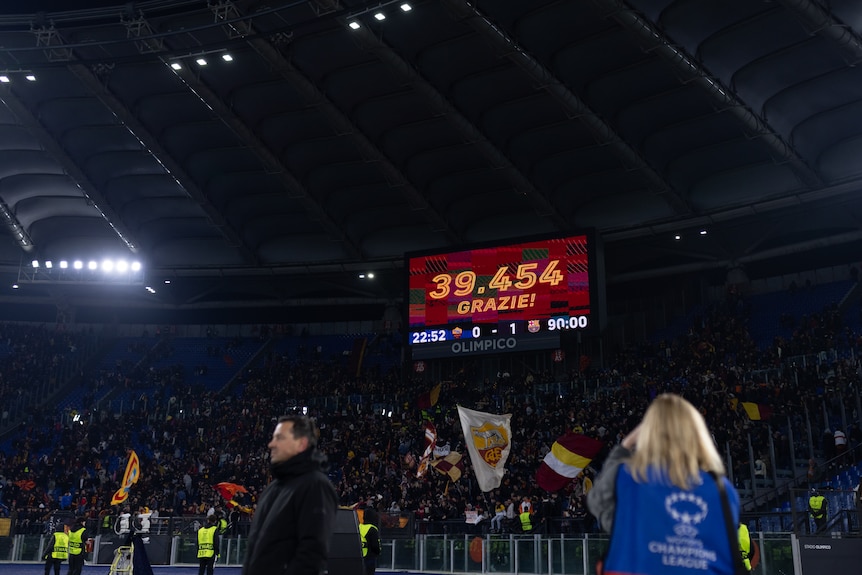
<point x="687" y="509"/>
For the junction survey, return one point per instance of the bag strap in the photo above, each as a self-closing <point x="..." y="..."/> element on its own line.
<point x="732" y="533"/>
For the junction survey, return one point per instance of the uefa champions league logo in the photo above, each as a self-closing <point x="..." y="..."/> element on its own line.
<point x="687" y="509"/>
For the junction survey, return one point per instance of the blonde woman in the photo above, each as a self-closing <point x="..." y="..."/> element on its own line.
<point x="658" y="495"/>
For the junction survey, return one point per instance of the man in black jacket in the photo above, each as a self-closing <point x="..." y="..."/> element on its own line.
<point x="292" y="524"/>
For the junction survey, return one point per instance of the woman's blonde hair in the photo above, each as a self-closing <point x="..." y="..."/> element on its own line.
<point x="674" y="444"/>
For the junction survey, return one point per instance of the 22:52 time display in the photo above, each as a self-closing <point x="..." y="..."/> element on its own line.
<point x="526" y="277"/>
<point x="428" y="336"/>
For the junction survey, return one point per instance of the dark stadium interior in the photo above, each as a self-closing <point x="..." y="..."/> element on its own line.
<point x="263" y="159"/>
<point x="320" y="152"/>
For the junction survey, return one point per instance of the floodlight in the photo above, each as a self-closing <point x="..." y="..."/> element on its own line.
<point x="406" y="7"/>
<point x="380" y="16"/>
<point x="35" y="263"/>
<point x="64" y="264"/>
<point x="107" y="266"/>
<point x="30" y="78"/>
<point x="4" y="79"/>
<point x="136" y="266"/>
<point x="49" y="264"/>
<point x="355" y="25"/>
<point x="122" y="266"/>
<point x="227" y="57"/>
<point x="176" y="66"/>
<point x="201" y="62"/>
<point x="78" y="265"/>
<point x="92" y="265"/>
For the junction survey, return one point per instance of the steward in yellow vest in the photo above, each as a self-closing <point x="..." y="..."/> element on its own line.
<point x="526" y="522"/>
<point x="370" y="536"/>
<point x="745" y="545"/>
<point x="208" y="545"/>
<point x="818" y="508"/>
<point x="77" y="536"/>
<point x="57" y="550"/>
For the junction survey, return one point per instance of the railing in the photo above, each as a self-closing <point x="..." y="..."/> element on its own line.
<point x="529" y="554"/>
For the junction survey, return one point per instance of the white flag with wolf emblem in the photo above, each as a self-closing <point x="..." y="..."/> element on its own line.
<point x="489" y="441"/>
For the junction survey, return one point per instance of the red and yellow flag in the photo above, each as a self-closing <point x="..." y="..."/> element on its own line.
<point x="429" y="398"/>
<point x="757" y="411"/>
<point x="130" y="477"/>
<point x="568" y="457"/>
<point x="754" y="411"/>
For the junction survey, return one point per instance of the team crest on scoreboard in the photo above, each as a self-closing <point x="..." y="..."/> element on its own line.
<point x="533" y="326"/>
<point x="456" y="332"/>
<point x="490" y="441"/>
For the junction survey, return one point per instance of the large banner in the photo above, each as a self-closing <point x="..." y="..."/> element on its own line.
<point x="488" y="437"/>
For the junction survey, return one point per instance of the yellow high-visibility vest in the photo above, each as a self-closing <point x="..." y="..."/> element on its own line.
<point x="206" y="538"/>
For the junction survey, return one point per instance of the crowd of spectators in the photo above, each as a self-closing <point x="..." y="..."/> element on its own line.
<point x="189" y="438"/>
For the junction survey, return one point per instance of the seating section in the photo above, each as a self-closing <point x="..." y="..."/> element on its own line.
<point x="371" y="422"/>
<point x="768" y="309"/>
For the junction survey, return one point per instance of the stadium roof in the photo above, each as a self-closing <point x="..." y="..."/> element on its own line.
<point x="322" y="139"/>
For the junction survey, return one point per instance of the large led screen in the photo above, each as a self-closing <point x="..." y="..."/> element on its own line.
<point x="517" y="296"/>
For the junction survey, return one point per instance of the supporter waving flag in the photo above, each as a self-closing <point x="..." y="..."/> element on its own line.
<point x="430" y="444"/>
<point x="130" y="477"/>
<point x="429" y="398"/>
<point x="568" y="457"/>
<point x="488" y="438"/>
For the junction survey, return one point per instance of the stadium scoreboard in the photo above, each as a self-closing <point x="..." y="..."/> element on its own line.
<point x="518" y="296"/>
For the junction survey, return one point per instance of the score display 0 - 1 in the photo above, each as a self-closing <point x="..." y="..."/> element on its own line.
<point x="478" y="331"/>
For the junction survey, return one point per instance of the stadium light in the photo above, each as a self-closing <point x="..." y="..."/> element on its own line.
<point x="109" y="270"/>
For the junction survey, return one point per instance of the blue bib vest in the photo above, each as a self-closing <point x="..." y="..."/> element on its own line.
<point x="663" y="530"/>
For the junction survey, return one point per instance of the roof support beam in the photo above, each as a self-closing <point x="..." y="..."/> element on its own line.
<point x="340" y="123"/>
<point x="655" y="40"/>
<point x="125" y="116"/>
<point x="55" y="149"/>
<point x="137" y="27"/>
<point x="442" y="107"/>
<point x="792" y="249"/>
<point x="821" y="21"/>
<point x="273" y="164"/>
<point x="574" y="107"/>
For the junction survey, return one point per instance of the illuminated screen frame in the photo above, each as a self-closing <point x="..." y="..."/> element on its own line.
<point x="517" y="295"/>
